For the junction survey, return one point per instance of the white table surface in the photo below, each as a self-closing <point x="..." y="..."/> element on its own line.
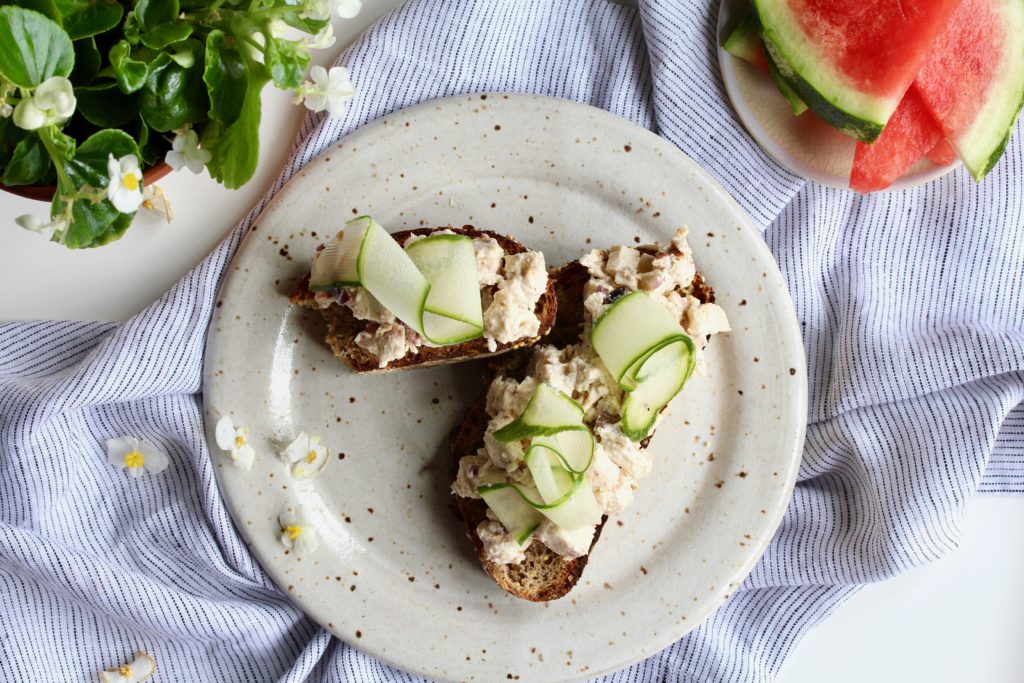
<point x="955" y="620"/>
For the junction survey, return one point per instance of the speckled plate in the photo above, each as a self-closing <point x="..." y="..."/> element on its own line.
<point x="805" y="144"/>
<point x="395" y="575"/>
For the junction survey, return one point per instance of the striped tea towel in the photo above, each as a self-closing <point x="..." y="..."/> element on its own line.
<point x="910" y="304"/>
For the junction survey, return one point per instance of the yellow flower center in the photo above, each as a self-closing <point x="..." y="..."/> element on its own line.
<point x="131" y="181"/>
<point x="293" y="531"/>
<point x="311" y="457"/>
<point x="125" y="670"/>
<point x="134" y="459"/>
<point x="239" y="441"/>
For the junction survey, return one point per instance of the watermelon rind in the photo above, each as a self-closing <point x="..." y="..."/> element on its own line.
<point x="828" y="93"/>
<point x="745" y="43"/>
<point x="796" y="104"/>
<point x="983" y="143"/>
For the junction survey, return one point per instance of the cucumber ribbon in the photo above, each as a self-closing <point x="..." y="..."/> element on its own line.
<point x="648" y="353"/>
<point x="432" y="285"/>
<point x="558" y="457"/>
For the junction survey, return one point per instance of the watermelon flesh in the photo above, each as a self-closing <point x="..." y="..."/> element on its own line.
<point x="851" y="61"/>
<point x="942" y="154"/>
<point x="909" y="135"/>
<point x="973" y="79"/>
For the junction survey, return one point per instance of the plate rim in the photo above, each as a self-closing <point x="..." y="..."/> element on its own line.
<point x="788" y="324"/>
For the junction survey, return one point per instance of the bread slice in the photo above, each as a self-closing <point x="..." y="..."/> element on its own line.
<point x="544" y="574"/>
<point x="342" y="326"/>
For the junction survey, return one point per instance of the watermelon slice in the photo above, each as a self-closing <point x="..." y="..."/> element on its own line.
<point x="910" y="134"/>
<point x="851" y="61"/>
<point x="942" y="154"/>
<point x="745" y="43"/>
<point x="973" y="79"/>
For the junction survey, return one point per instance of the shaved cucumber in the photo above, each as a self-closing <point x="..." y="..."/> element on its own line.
<point x="649" y="354"/>
<point x="515" y="514"/>
<point x="452" y="312"/>
<point x="548" y="412"/>
<point x="432" y="286"/>
<point x="388" y="273"/>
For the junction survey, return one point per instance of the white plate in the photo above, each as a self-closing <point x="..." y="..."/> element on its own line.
<point x="395" y="575"/>
<point x="805" y="145"/>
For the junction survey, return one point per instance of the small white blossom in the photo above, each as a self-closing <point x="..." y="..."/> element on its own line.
<point x="51" y="102"/>
<point x="36" y="224"/>
<point x="298" y="531"/>
<point x="347" y="9"/>
<point x="185" y="151"/>
<point x="306" y="455"/>
<point x="154" y="199"/>
<point x="136" y="456"/>
<point x="135" y="671"/>
<point x="236" y="442"/>
<point x="329" y="90"/>
<point x="6" y="110"/>
<point x="320" y="41"/>
<point x="125" y="187"/>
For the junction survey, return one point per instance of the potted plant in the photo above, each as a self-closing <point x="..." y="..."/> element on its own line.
<point x="98" y="98"/>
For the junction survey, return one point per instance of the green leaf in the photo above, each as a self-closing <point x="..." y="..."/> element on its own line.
<point x="10" y="136"/>
<point x="184" y="53"/>
<point x="311" y="26"/>
<point x="93" y="19"/>
<point x="153" y="13"/>
<point x="173" y="95"/>
<point x="32" y="47"/>
<point x="130" y="74"/>
<point x="226" y="78"/>
<point x="287" y="63"/>
<point x="166" y="34"/>
<point x="151" y="147"/>
<point x="105" y="106"/>
<point x="45" y="7"/>
<point x="28" y="164"/>
<point x="87" y="61"/>
<point x="95" y="224"/>
<point x="234" y="148"/>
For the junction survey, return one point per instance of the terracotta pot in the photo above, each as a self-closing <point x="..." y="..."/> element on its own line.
<point x="44" y="193"/>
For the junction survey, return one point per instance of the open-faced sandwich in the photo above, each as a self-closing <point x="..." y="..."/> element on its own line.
<point x="558" y="442"/>
<point x="426" y="296"/>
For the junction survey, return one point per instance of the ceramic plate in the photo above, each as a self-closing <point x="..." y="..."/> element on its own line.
<point x="395" y="575"/>
<point x="805" y="144"/>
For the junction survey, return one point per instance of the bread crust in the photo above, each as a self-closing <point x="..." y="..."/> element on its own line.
<point x="342" y="326"/>
<point x="544" y="575"/>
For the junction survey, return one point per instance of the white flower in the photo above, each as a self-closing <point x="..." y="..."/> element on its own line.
<point x="125" y="187"/>
<point x="329" y="90"/>
<point x="320" y="41"/>
<point x="306" y="455"/>
<point x="185" y="152"/>
<point x="135" y="455"/>
<point x="298" y="531"/>
<point x="139" y="669"/>
<point x="154" y="199"/>
<point x="6" y="110"/>
<point x="346" y="9"/>
<point x="52" y="102"/>
<point x="36" y="224"/>
<point x="236" y="442"/>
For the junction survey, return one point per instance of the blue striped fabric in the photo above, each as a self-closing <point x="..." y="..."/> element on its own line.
<point x="910" y="305"/>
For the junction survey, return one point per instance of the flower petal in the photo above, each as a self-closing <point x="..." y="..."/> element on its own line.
<point x="156" y="461"/>
<point x="297" y="449"/>
<point x="243" y="457"/>
<point x="224" y="432"/>
<point x="117" y="448"/>
<point x="143" y="666"/>
<point x="308" y="541"/>
<point x="123" y="199"/>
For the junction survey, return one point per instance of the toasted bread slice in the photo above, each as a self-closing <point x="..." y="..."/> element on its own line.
<point x="342" y="326"/>
<point x="544" y="574"/>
